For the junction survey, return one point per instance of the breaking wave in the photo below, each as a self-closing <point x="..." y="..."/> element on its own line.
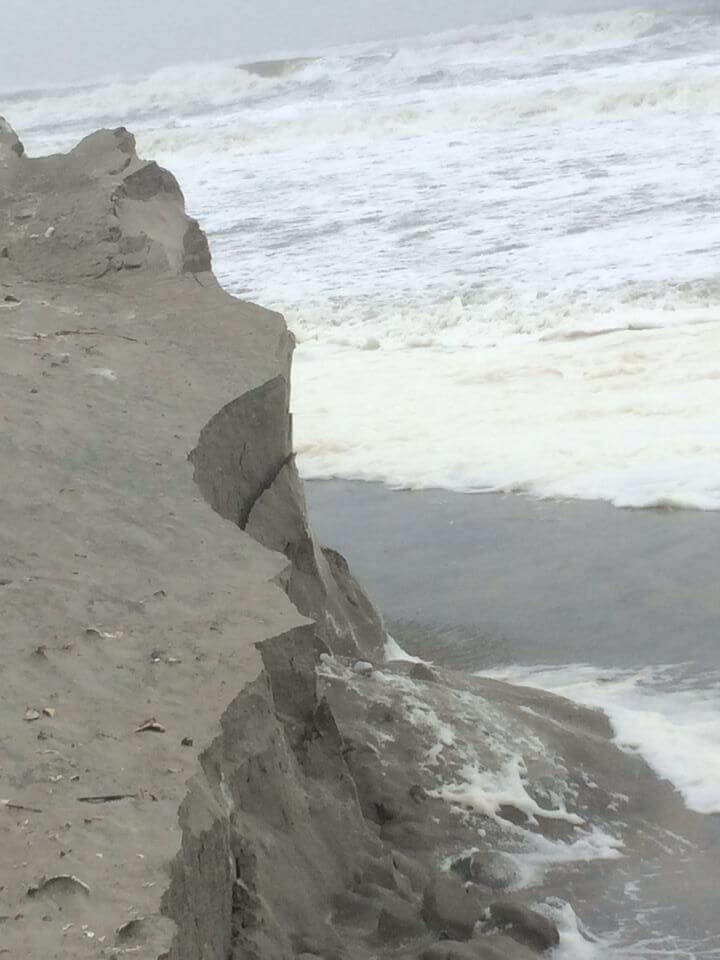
<point x="428" y="86"/>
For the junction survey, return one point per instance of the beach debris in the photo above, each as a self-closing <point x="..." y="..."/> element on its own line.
<point x="49" y="232"/>
<point x="18" y="806"/>
<point x="159" y="656"/>
<point x="108" y="798"/>
<point x="144" y="932"/>
<point x="187" y="742"/>
<point x="104" y="634"/>
<point x="156" y="595"/>
<point x="32" y="714"/>
<point x="62" y="885"/>
<point x="151" y="724"/>
<point x="362" y="667"/>
<point x="9" y="298"/>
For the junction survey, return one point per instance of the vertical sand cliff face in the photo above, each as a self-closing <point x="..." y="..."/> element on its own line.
<point x="245" y="467"/>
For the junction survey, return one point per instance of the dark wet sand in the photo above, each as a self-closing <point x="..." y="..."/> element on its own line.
<point x="487" y="579"/>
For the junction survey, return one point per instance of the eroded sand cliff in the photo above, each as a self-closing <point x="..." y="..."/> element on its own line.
<point x="191" y="766"/>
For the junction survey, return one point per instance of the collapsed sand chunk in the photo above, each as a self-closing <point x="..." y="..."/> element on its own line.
<point x="524" y="925"/>
<point x="9" y="139"/>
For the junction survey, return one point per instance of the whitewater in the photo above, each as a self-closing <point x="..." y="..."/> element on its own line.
<point x="497" y="246"/>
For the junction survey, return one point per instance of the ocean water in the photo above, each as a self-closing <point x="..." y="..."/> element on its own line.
<point x="497" y="246"/>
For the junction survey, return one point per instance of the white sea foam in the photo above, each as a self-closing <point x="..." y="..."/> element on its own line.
<point x="630" y="416"/>
<point x="488" y="790"/>
<point x="663" y="713"/>
<point x="539" y="855"/>
<point x="419" y="713"/>
<point x="576" y="942"/>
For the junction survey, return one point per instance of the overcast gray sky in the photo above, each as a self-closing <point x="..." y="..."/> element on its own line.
<point x="59" y="41"/>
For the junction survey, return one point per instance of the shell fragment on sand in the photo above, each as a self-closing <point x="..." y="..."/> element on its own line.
<point x="151" y="724"/>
